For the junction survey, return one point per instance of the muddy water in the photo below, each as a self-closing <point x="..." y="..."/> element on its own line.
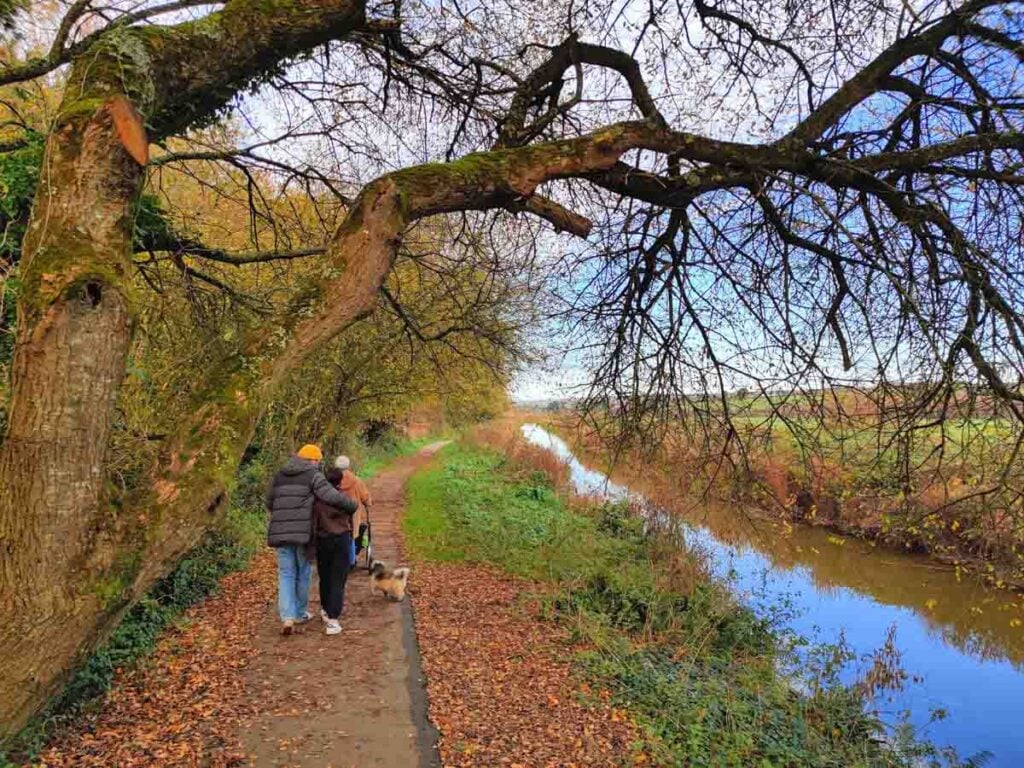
<point x="961" y="642"/>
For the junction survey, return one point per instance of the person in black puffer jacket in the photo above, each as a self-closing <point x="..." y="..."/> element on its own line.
<point x="290" y="503"/>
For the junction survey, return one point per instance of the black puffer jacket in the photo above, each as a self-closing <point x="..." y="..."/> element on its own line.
<point x="290" y="502"/>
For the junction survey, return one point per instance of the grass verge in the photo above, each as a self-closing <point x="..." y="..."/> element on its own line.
<point x="699" y="673"/>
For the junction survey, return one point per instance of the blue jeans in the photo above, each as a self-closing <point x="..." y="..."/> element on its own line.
<point x="351" y="552"/>
<point x="293" y="573"/>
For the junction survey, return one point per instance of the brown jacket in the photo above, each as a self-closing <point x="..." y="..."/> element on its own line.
<point x="330" y="521"/>
<point x="356" y="490"/>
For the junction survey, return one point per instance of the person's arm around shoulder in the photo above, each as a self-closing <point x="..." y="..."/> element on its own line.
<point x="328" y="494"/>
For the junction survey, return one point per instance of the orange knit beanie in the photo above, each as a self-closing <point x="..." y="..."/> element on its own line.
<point x="310" y="452"/>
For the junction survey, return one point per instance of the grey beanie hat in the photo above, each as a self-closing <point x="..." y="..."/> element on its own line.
<point x="342" y="462"/>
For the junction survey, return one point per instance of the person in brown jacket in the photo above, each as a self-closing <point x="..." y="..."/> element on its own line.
<point x="355" y="489"/>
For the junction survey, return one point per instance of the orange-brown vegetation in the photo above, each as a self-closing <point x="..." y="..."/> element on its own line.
<point x="947" y="508"/>
<point x="500" y="681"/>
<point x="504" y="436"/>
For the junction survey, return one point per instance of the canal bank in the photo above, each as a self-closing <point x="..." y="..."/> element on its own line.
<point x="960" y="643"/>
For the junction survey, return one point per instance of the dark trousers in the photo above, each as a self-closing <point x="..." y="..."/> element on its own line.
<point x="332" y="566"/>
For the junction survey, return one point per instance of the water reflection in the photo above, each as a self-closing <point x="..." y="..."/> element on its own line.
<point x="956" y="635"/>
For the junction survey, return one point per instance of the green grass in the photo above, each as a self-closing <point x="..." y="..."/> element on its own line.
<point x="369" y="461"/>
<point x="521" y="527"/>
<point x="698" y="673"/>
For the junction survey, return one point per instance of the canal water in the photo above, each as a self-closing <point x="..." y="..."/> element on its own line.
<point x="960" y="642"/>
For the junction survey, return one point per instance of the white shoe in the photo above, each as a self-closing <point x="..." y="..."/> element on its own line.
<point x="287" y="627"/>
<point x="306" y="616"/>
<point x="333" y="627"/>
<point x="323" y="615"/>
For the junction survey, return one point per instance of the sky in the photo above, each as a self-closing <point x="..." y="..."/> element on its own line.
<point x="543" y="383"/>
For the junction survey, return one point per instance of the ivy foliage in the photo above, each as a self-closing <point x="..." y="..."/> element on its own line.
<point x="19" y="175"/>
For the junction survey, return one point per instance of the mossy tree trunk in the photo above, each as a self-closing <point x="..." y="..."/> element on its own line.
<point x="74" y="329"/>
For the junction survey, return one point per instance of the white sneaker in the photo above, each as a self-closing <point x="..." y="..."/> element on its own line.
<point x="333" y="627"/>
<point x="306" y="616"/>
<point x="323" y="615"/>
<point x="287" y="627"/>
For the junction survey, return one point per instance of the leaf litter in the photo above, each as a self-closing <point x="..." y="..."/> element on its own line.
<point x="499" y="682"/>
<point x="499" y="678"/>
<point x="182" y="706"/>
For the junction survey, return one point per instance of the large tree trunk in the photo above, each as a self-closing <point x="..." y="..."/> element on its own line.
<point x="74" y="330"/>
<point x="72" y="557"/>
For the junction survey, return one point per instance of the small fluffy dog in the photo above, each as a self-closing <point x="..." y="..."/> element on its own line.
<point x="390" y="582"/>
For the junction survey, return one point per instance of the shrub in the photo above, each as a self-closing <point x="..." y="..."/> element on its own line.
<point x="633" y="605"/>
<point x="618" y="519"/>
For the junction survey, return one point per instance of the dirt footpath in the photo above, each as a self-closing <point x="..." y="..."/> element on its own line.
<point x="355" y="699"/>
<point x="224" y="689"/>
